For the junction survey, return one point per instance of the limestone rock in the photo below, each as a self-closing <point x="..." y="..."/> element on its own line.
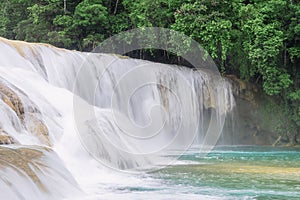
<point x="238" y="84"/>
<point x="34" y="170"/>
<point x="11" y="99"/>
<point x="242" y="90"/>
<point x="208" y="97"/>
<point x="29" y="116"/>
<point x="21" y="158"/>
<point x="37" y="127"/>
<point x="6" y="139"/>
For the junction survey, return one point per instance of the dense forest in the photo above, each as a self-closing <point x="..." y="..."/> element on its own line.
<point x="257" y="40"/>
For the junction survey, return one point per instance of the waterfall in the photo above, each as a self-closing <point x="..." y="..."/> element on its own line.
<point x="102" y="110"/>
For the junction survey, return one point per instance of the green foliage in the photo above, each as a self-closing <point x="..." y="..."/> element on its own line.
<point x="151" y="13"/>
<point x="264" y="41"/>
<point x="275" y="81"/>
<point x="119" y="23"/>
<point x="277" y="118"/>
<point x="90" y="23"/>
<point x="295" y="101"/>
<point x="207" y="24"/>
<point x="12" y="12"/>
<point x="259" y="41"/>
<point x="294" y="53"/>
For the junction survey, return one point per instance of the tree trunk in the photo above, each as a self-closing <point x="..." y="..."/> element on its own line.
<point x="65" y="6"/>
<point x="116" y="7"/>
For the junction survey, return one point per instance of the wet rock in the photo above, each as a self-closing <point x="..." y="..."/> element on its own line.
<point x="208" y="97"/>
<point x="121" y="56"/>
<point x="238" y="84"/>
<point x="11" y="99"/>
<point x="28" y="114"/>
<point x="243" y="90"/>
<point x="21" y="159"/>
<point x="8" y="102"/>
<point x="6" y="139"/>
<point x="34" y="170"/>
<point x="252" y="122"/>
<point x="36" y="126"/>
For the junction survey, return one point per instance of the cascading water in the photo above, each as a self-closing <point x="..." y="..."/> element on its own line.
<point x="125" y="113"/>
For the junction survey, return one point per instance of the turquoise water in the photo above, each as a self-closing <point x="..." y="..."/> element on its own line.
<point x="227" y="173"/>
<point x="236" y="173"/>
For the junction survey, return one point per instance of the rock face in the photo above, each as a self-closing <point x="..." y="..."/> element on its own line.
<point x="21" y="159"/>
<point x="6" y="139"/>
<point x="29" y="115"/>
<point x="249" y="125"/>
<point x="36" y="126"/>
<point x="34" y="172"/>
<point x="11" y="99"/>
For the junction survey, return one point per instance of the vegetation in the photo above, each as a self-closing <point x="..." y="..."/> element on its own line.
<point x="257" y="40"/>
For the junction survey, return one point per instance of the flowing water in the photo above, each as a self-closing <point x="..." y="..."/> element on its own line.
<point x="69" y="117"/>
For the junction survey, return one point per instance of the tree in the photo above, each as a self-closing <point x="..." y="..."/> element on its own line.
<point x="263" y="42"/>
<point x="207" y="22"/>
<point x="12" y="12"/>
<point x="90" y="23"/>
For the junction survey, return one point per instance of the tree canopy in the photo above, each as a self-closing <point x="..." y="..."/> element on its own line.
<point x="257" y="40"/>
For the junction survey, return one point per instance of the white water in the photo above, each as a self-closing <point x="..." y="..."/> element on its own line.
<point x="127" y="114"/>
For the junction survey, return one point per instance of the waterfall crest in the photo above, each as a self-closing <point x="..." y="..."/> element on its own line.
<point x="124" y="112"/>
